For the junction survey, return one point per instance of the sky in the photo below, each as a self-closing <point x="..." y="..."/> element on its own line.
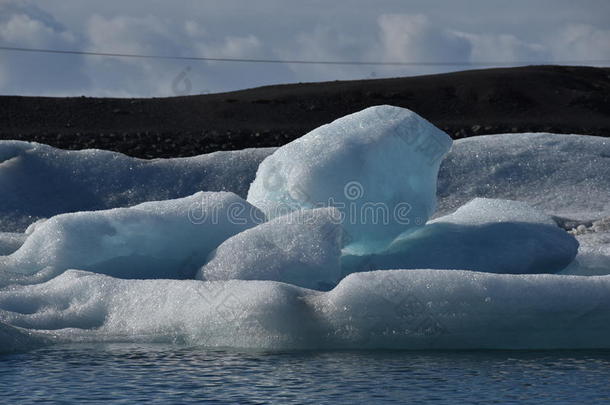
<point x="501" y="33"/>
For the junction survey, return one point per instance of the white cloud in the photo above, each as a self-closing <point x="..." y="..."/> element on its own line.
<point x="148" y="35"/>
<point x="152" y="35"/>
<point x="232" y="47"/>
<point x="391" y="38"/>
<point x="23" y="24"/>
<point x="582" y="42"/>
<point x="23" y="29"/>
<point x="413" y="38"/>
<point x="503" y="48"/>
<point x="123" y="34"/>
<point x="194" y="29"/>
<point x="384" y="30"/>
<point x="327" y="43"/>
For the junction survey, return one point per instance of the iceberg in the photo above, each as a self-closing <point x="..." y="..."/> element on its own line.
<point x="39" y="181"/>
<point x="377" y="166"/>
<point x="302" y="248"/>
<point x="161" y="239"/>
<point x="486" y="235"/>
<point x="390" y="309"/>
<point x="111" y="245"/>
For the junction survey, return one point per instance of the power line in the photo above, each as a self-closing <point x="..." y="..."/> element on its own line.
<point x="293" y="61"/>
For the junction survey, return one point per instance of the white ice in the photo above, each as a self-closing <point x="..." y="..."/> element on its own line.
<point x="40" y="181"/>
<point x="487" y="235"/>
<point x="567" y="176"/>
<point x="564" y="175"/>
<point x="161" y="239"/>
<point x="560" y="174"/>
<point x="301" y="248"/>
<point x="378" y="166"/>
<point x="407" y="309"/>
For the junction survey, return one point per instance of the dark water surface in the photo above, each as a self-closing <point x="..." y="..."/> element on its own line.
<point x="170" y="374"/>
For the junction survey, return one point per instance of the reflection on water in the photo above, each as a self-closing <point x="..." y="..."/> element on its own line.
<point x="158" y="373"/>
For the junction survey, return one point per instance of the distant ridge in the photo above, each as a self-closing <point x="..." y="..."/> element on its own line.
<point x="560" y="99"/>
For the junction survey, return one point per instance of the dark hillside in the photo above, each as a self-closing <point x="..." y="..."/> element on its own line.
<point x="475" y="102"/>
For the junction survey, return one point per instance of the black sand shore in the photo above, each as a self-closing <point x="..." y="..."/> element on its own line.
<point x="558" y="99"/>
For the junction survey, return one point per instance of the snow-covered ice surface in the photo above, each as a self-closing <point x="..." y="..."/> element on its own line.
<point x="122" y="274"/>
<point x="40" y="181"/>
<point x="564" y="175"/>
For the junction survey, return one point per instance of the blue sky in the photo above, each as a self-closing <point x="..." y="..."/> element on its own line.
<point x="385" y="31"/>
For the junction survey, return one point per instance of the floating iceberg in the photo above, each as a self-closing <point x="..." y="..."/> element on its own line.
<point x="378" y="166"/>
<point x="366" y="166"/>
<point x="302" y="248"/>
<point x="494" y="236"/>
<point x="161" y="239"/>
<point x="40" y="181"/>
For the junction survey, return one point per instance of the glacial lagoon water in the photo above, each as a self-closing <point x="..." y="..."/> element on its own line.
<point x="128" y="373"/>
